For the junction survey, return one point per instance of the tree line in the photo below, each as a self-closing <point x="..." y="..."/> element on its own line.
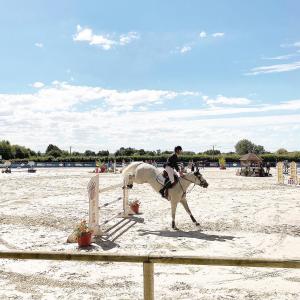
<point x="54" y="153"/>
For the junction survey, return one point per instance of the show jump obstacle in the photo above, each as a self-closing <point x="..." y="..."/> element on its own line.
<point x="95" y="209"/>
<point x="292" y="174"/>
<point x="280" y="176"/>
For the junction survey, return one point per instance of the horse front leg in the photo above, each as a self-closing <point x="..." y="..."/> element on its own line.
<point x="128" y="181"/>
<point x="187" y="209"/>
<point x="173" y="208"/>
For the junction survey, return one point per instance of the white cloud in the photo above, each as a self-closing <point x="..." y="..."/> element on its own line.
<point x="202" y="34"/>
<point x="188" y="93"/>
<point x="275" y="68"/>
<point x="86" y="35"/>
<point x="185" y="49"/>
<point x="280" y="57"/>
<point x="226" y="100"/>
<point x="296" y="44"/>
<point x="104" y="41"/>
<point x="115" y="124"/>
<point x="37" y="85"/>
<point x="39" y="45"/>
<point x="64" y="96"/>
<point x="128" y="38"/>
<point x="218" y="34"/>
<point x="88" y="129"/>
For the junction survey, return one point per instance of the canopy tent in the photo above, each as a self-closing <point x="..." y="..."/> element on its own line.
<point x="250" y="159"/>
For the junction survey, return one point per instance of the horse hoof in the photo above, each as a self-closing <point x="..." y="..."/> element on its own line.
<point x="175" y="228"/>
<point x="197" y="224"/>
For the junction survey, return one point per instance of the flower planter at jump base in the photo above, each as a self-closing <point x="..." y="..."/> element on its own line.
<point x="85" y="239"/>
<point x="135" y="206"/>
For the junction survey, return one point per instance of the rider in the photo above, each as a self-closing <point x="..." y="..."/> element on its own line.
<point x="172" y="163"/>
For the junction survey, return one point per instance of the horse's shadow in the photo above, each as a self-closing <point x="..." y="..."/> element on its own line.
<point x="188" y="234"/>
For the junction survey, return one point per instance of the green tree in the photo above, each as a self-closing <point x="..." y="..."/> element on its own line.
<point x="244" y="146"/>
<point x="89" y="153"/>
<point x="212" y="152"/>
<point x="258" y="149"/>
<point x="125" y="151"/>
<point x="32" y="153"/>
<point x="281" y="151"/>
<point x="64" y="153"/>
<point x="141" y="152"/>
<point x="103" y="153"/>
<point x="151" y="153"/>
<point x="75" y="153"/>
<point x="52" y="147"/>
<point x="6" y="150"/>
<point x="167" y="152"/>
<point x="188" y="153"/>
<point x="20" y="152"/>
<point x="54" y="153"/>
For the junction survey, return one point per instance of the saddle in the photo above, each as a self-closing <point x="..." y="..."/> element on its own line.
<point x="166" y="179"/>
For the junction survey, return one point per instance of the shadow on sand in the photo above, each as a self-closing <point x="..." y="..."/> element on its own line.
<point x="188" y="234"/>
<point x="108" y="240"/>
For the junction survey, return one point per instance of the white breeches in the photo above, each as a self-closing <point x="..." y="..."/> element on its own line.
<point x="170" y="172"/>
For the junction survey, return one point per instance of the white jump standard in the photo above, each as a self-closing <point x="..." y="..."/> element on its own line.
<point x="95" y="208"/>
<point x="292" y="174"/>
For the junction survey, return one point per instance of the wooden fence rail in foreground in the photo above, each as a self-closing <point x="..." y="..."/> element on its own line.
<point x="149" y="260"/>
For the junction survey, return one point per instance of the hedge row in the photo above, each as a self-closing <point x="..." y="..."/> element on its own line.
<point x="294" y="156"/>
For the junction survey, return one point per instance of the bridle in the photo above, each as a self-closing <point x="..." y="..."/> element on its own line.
<point x="194" y="182"/>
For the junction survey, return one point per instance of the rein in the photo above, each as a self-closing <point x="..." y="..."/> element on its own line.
<point x="185" y="192"/>
<point x="191" y="181"/>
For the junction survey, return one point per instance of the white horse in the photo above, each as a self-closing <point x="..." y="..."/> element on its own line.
<point x="140" y="173"/>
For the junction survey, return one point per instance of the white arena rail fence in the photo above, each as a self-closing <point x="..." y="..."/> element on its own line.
<point x="149" y="260"/>
<point x="96" y="208"/>
<point x="292" y="179"/>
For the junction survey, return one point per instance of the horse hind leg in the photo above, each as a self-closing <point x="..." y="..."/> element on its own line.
<point x="187" y="209"/>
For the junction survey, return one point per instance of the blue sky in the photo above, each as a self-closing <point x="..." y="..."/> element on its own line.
<point x="105" y="74"/>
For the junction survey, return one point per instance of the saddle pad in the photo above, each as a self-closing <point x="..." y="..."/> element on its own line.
<point x="161" y="179"/>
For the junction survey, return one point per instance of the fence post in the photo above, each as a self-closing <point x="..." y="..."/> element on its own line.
<point x="148" y="281"/>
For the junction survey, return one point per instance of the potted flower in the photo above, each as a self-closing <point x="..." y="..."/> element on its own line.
<point x="134" y="206"/>
<point x="222" y="163"/>
<point x="83" y="234"/>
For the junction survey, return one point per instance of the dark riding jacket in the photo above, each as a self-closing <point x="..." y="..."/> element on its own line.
<point x="173" y="162"/>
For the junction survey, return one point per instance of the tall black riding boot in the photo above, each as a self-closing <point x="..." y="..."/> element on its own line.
<point x="165" y="187"/>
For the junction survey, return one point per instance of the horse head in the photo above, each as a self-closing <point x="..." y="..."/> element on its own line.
<point x="199" y="179"/>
